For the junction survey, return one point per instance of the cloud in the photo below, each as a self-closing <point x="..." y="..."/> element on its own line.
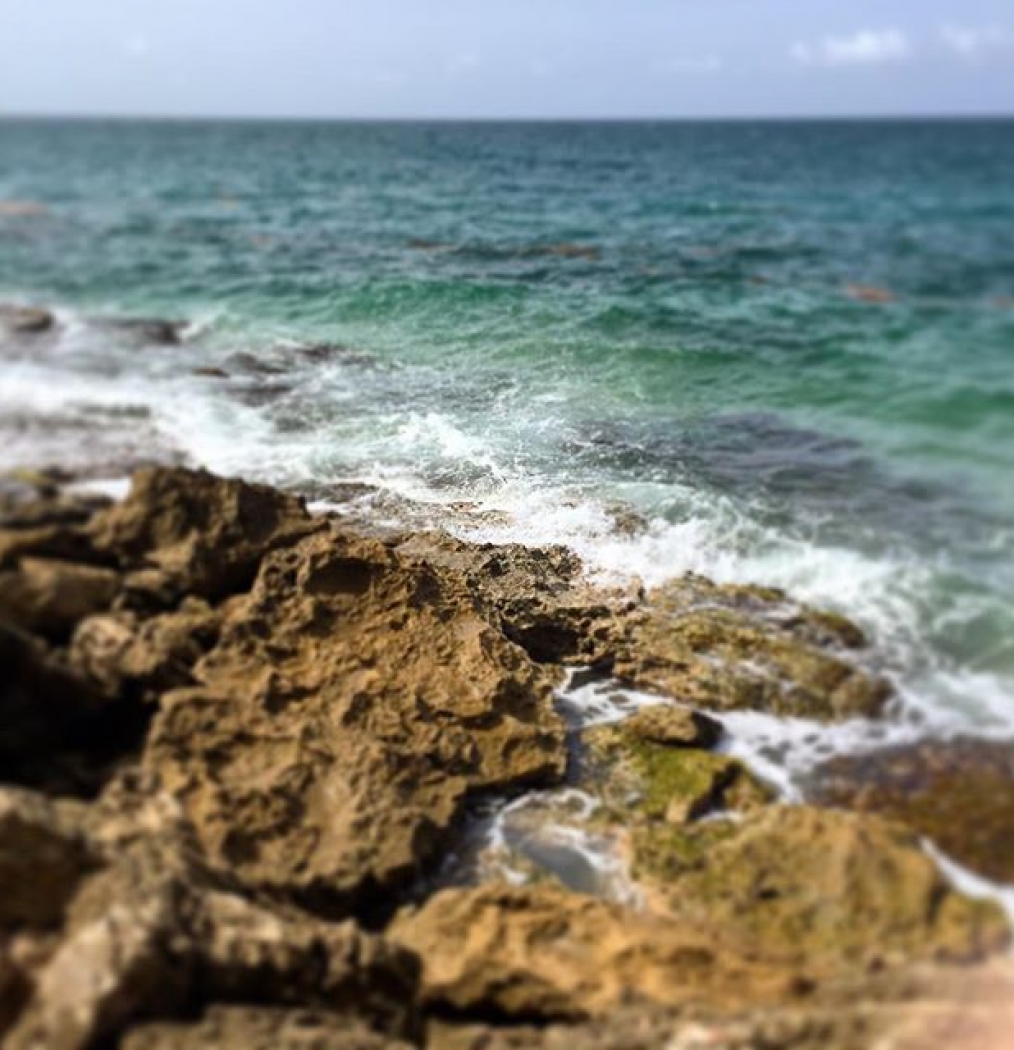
<point x="974" y="42"/>
<point x="867" y="47"/>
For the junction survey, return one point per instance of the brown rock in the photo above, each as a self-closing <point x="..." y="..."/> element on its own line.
<point x="353" y="699"/>
<point x="209" y="533"/>
<point x="959" y="793"/>
<point x="261" y="1028"/>
<point x="47" y="596"/>
<point x="727" y="648"/>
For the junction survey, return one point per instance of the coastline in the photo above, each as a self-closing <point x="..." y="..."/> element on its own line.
<point x="251" y="752"/>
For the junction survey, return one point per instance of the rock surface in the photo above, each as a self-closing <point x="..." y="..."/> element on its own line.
<point x="959" y="793"/>
<point x="236" y="739"/>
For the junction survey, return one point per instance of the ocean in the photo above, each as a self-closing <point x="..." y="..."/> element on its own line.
<point x="779" y="352"/>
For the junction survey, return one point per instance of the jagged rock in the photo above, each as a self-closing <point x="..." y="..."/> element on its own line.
<point x="959" y="793"/>
<point x="126" y="656"/>
<point x="542" y="954"/>
<point x="353" y="699"/>
<point x="150" y="330"/>
<point x="48" y="596"/>
<point x="209" y="533"/>
<point x="154" y="933"/>
<point x="725" y="648"/>
<point x="56" y="730"/>
<point x="261" y="1028"/>
<point x="538" y="595"/>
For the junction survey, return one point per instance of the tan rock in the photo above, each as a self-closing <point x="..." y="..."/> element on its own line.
<point x="673" y="726"/>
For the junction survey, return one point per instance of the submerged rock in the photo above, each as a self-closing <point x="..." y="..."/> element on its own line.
<point x="959" y="793"/>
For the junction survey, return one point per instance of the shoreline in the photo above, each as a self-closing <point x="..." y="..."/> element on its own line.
<point x="271" y="720"/>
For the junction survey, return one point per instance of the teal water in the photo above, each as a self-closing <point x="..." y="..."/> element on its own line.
<point x="550" y="320"/>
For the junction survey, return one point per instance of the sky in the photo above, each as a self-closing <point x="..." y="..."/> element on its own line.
<point x="514" y="58"/>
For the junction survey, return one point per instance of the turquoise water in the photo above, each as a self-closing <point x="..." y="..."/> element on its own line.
<point x="551" y="320"/>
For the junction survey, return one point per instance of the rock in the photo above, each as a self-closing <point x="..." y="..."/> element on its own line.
<point x="542" y="954"/>
<point x="959" y="793"/>
<point x="25" y="320"/>
<point x="538" y="596"/>
<point x="150" y="330"/>
<point x="43" y="857"/>
<point x="152" y="933"/>
<point x="208" y="533"/>
<point x="210" y="372"/>
<point x="56" y="730"/>
<point x="565" y="250"/>
<point x="48" y="596"/>
<point x="319" y="759"/>
<point x="729" y="648"/>
<point x="127" y="657"/>
<point x="639" y="779"/>
<point x="261" y="1028"/>
<point x="826" y="892"/>
<point x="674" y="727"/>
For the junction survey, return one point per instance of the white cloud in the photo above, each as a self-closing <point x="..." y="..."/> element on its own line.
<point x="973" y="42"/>
<point x="867" y="47"/>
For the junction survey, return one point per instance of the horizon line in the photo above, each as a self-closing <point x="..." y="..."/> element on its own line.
<point x="547" y="119"/>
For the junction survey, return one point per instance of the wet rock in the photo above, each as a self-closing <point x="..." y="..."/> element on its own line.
<point x="210" y="372"/>
<point x="150" y="330"/>
<point x="207" y="532"/>
<point x="641" y="779"/>
<point x="25" y="320"/>
<point x="565" y="250"/>
<point x="48" y="596"/>
<point x="727" y="648"/>
<point x="959" y="793"/>
<point x="866" y="293"/>
<point x="261" y="1028"/>
<point x="319" y="757"/>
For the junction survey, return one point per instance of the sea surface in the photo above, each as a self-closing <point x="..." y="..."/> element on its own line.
<point x="787" y="348"/>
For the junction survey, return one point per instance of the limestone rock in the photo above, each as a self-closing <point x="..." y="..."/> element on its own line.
<point x="540" y="953"/>
<point x="261" y="1028"/>
<point x="210" y="533"/>
<point x="353" y="699"/>
<point x="673" y="726"/>
<point x="25" y="320"/>
<point x="47" y="596"/>
<point x="729" y="648"/>
<point x="959" y="793"/>
<point x="825" y="891"/>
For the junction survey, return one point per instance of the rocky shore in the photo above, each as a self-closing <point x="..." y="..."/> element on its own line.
<point x="241" y="746"/>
